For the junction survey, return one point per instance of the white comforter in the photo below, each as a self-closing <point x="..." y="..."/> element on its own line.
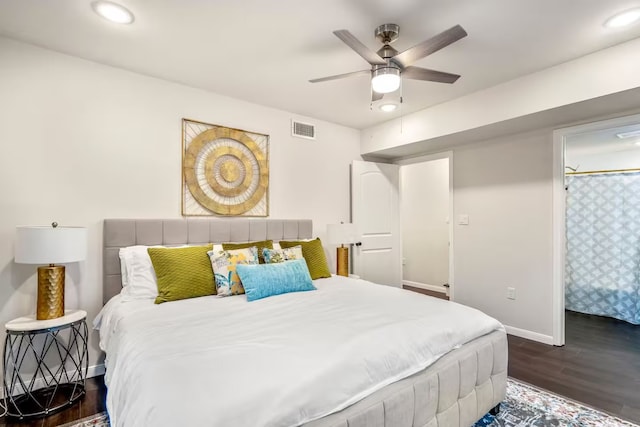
<point x="279" y="361"/>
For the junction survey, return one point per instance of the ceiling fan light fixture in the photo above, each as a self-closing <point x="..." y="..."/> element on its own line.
<point x="385" y="79"/>
<point x="113" y="12"/>
<point x="623" y="19"/>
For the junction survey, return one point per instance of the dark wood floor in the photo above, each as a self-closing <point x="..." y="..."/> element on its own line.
<point x="599" y="365"/>
<point x="92" y="403"/>
<point x="426" y="292"/>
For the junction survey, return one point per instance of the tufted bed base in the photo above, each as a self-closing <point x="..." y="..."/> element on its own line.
<point x="456" y="391"/>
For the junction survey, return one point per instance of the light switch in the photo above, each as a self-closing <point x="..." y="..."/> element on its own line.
<point x="463" y="219"/>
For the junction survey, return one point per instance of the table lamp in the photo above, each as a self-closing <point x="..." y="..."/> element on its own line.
<point x="341" y="234"/>
<point x="50" y="245"/>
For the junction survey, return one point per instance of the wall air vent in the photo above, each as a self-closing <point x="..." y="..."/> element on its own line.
<point x="303" y="130"/>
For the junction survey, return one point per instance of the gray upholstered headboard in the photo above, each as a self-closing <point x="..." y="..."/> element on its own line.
<point x="119" y="233"/>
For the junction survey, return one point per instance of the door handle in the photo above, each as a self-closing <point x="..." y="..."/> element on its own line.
<point x="358" y="243"/>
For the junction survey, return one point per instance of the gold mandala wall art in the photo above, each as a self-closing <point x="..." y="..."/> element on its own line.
<point x="224" y="171"/>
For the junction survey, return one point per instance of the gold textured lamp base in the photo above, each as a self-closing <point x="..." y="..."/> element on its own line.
<point x="50" y="292"/>
<point x="342" y="256"/>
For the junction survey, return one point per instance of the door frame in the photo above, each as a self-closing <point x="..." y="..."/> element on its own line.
<point x="559" y="213"/>
<point x="428" y="158"/>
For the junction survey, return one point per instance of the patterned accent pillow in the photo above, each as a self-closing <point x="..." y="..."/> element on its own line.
<point x="260" y="245"/>
<point x="224" y="269"/>
<point x="314" y="256"/>
<point x="274" y="256"/>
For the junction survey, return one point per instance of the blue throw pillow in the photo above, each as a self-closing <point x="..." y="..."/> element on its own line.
<point x="265" y="280"/>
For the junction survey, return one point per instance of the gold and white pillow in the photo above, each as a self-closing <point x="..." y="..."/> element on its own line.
<point x="224" y="269"/>
<point x="274" y="256"/>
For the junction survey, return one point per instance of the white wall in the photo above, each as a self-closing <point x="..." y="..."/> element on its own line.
<point x="81" y="142"/>
<point x="624" y="159"/>
<point x="424" y="207"/>
<point x="505" y="186"/>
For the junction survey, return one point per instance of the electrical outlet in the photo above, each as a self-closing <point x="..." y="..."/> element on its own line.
<point x="511" y="293"/>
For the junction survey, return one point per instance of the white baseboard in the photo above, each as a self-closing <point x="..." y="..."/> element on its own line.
<point x="530" y="335"/>
<point x="434" y="288"/>
<point x="96" y="370"/>
<point x="92" y="371"/>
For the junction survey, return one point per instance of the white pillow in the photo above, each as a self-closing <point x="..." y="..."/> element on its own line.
<point x="138" y="276"/>
<point x="138" y="279"/>
<point x="124" y="275"/>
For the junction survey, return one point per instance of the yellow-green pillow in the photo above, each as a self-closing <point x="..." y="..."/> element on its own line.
<point x="314" y="256"/>
<point x="182" y="272"/>
<point x="260" y="245"/>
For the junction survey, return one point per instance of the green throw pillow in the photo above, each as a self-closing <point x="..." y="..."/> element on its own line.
<point x="182" y="272"/>
<point x="260" y="245"/>
<point x="313" y="253"/>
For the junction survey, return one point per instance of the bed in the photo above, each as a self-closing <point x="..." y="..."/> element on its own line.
<point x="351" y="353"/>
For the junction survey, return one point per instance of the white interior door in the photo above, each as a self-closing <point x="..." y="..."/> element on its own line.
<point x="375" y="210"/>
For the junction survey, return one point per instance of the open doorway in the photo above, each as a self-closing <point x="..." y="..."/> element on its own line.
<point x="425" y="211"/>
<point x="602" y="180"/>
<point x="597" y="229"/>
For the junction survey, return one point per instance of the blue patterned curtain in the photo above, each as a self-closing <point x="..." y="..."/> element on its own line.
<point x="603" y="245"/>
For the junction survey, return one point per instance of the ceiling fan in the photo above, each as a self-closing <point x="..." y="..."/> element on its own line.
<point x="388" y="66"/>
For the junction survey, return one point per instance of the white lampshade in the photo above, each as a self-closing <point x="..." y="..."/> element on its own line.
<point x="49" y="245"/>
<point x="341" y="234"/>
<point x="385" y="80"/>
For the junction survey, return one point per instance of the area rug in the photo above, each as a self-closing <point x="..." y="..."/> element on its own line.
<point x="97" y="420"/>
<point x="525" y="406"/>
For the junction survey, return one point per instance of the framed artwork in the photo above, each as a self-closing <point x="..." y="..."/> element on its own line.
<point x="225" y="171"/>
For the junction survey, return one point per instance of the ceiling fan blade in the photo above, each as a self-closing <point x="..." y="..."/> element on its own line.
<point x="375" y="96"/>
<point x="350" y="40"/>
<point x="417" y="73"/>
<point x="342" y="76"/>
<point x="430" y="46"/>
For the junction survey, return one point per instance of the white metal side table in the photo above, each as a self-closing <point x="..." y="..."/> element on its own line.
<point x="45" y="363"/>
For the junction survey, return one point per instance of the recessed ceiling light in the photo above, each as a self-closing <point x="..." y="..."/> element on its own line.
<point x="623" y="19"/>
<point x="113" y="12"/>
<point x="388" y="107"/>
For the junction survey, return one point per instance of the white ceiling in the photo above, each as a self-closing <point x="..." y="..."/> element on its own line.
<point x="602" y="142"/>
<point x="266" y="51"/>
